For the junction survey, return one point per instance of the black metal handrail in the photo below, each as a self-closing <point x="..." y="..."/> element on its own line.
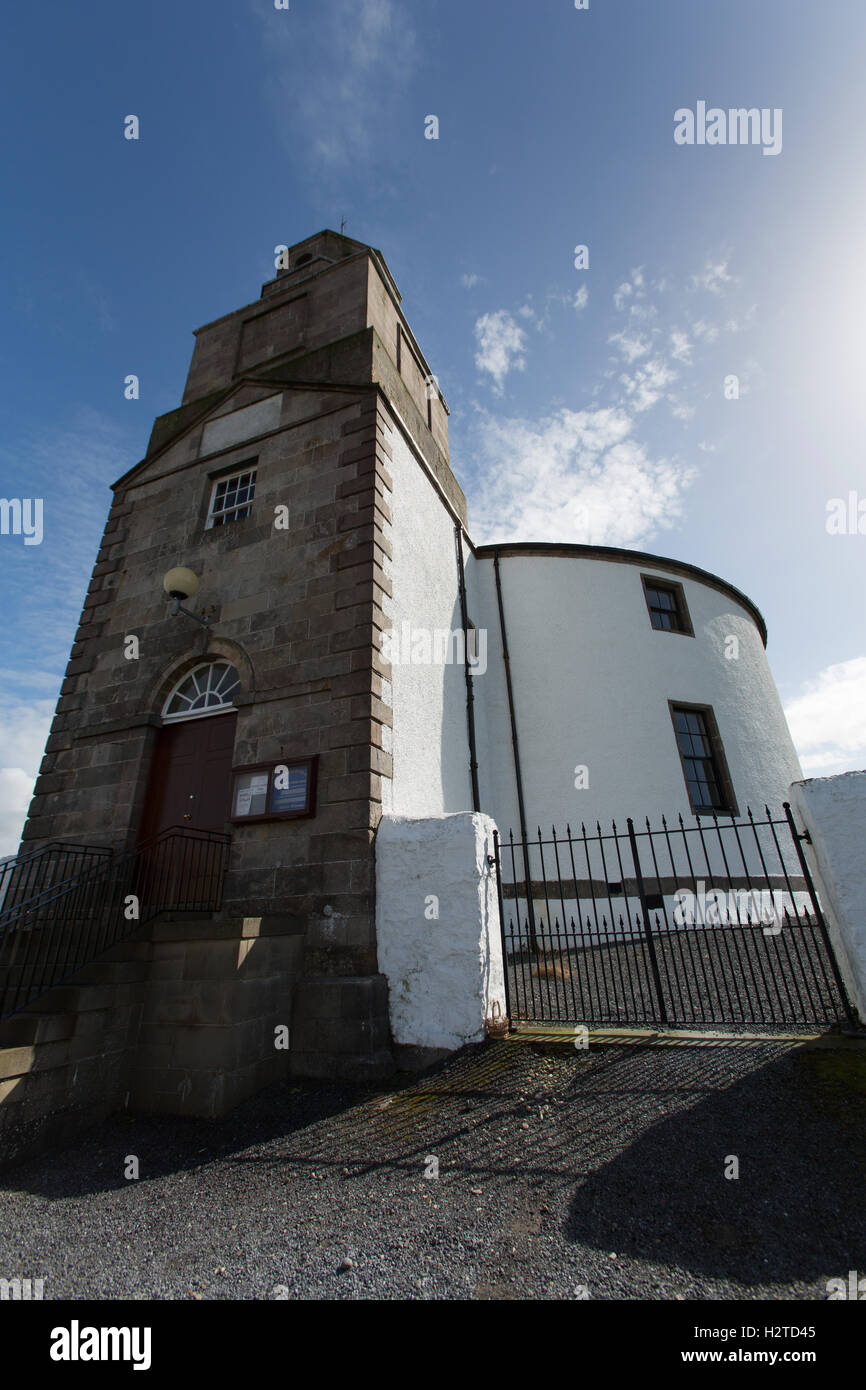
<point x="48" y="937"/>
<point x="31" y="872"/>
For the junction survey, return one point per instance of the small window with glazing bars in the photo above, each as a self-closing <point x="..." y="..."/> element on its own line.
<point x="231" y="499"/>
<point x="667" y="606"/>
<point x="703" y="760"/>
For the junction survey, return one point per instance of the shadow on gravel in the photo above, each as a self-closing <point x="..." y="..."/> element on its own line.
<point x="167" y="1144"/>
<point x="626" y="1144"/>
<point x="299" y="1128"/>
<point x="797" y="1210"/>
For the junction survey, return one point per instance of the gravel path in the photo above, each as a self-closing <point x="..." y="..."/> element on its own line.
<point x="559" y="1171"/>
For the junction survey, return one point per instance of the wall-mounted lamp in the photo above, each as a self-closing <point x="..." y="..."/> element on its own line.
<point x="181" y="583"/>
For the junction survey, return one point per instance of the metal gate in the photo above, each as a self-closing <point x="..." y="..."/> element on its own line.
<point x="716" y="922"/>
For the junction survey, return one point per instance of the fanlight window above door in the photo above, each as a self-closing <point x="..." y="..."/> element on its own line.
<point x="206" y="690"/>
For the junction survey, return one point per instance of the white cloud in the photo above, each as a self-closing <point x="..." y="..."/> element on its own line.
<point x="713" y="277"/>
<point x="541" y="320"/>
<point x="828" y="719"/>
<point x="332" y="76"/>
<point x="648" y="384"/>
<point x="375" y="23"/>
<point x="744" y="321"/>
<point x="643" y="312"/>
<point x="631" y="346"/>
<point x="583" y="475"/>
<point x="469" y="281"/>
<point x="501" y="346"/>
<point x="576" y="476"/>
<point x="708" y="331"/>
<point x="681" y="348"/>
<point x="97" y="301"/>
<point x="629" y="293"/>
<point x="23" y="731"/>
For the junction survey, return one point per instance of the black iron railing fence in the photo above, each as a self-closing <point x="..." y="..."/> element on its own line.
<point x="65" y="920"/>
<point x="712" y="922"/>
<point x="35" y="870"/>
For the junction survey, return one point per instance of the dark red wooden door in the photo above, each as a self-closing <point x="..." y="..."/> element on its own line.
<point x="190" y="780"/>
<point x="190" y="787"/>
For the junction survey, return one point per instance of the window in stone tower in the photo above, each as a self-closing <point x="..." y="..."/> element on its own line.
<point x="231" y="499"/>
<point x="209" y="688"/>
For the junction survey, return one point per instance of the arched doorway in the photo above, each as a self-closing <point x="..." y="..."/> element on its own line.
<point x="190" y="777"/>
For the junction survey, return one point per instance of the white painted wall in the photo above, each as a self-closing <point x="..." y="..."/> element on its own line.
<point x="444" y="972"/>
<point x="592" y="679"/>
<point x="429" y="741"/>
<point x="833" y="810"/>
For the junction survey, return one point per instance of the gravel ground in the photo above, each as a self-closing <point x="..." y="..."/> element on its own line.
<point x="559" y="1171"/>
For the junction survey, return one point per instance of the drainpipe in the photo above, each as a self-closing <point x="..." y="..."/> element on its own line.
<point x="470" y="693"/>
<point x="516" y="748"/>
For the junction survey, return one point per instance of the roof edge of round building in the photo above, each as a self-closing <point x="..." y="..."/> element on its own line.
<point x="620" y="555"/>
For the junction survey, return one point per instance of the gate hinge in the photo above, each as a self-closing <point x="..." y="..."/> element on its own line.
<point x="804" y="835"/>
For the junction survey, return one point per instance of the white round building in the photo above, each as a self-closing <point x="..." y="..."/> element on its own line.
<point x="633" y="685"/>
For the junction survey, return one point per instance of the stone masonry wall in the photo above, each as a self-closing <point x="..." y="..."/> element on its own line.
<point x="297" y="611"/>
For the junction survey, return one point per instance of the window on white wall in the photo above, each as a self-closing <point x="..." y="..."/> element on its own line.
<point x="703" y="759"/>
<point x="667" y="606"/>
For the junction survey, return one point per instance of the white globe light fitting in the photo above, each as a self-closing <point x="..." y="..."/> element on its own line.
<point x="180" y="583"/>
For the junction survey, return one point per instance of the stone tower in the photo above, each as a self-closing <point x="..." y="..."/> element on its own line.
<point x="271" y="483"/>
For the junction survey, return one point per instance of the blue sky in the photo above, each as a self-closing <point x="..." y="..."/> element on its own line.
<point x="586" y="404"/>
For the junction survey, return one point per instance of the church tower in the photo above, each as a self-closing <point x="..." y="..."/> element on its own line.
<point x="259" y="705"/>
